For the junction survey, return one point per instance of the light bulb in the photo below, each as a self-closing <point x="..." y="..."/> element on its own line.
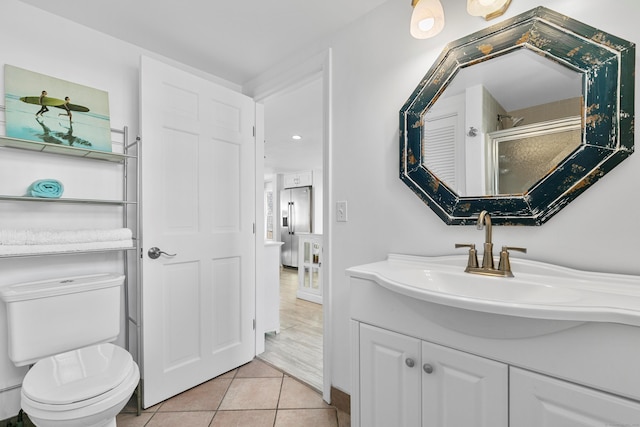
<point x="426" y="24"/>
<point x="427" y="18"/>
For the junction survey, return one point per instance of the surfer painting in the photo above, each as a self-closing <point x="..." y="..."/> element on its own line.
<point x="41" y="100"/>
<point x="28" y="92"/>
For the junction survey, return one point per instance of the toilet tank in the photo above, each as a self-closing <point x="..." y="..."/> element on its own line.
<point x="57" y="315"/>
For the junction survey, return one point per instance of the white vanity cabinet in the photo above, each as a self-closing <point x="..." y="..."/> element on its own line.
<point x="426" y="364"/>
<point x="407" y="382"/>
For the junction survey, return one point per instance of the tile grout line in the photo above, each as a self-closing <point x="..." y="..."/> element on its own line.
<point x="275" y="419"/>
<point x="215" y="413"/>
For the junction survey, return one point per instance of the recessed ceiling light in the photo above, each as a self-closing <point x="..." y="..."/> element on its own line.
<point x="296" y="137"/>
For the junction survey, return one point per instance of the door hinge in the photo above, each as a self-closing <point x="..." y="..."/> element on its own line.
<point x="254" y="324"/>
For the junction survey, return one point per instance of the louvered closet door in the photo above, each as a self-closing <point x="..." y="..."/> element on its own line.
<point x="440" y="136"/>
<point x="443" y="142"/>
<point x="197" y="203"/>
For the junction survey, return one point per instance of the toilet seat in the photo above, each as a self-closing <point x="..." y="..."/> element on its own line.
<point x="79" y="378"/>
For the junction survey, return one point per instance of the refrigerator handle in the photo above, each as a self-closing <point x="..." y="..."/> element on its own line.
<point x="293" y="218"/>
<point x="290" y="216"/>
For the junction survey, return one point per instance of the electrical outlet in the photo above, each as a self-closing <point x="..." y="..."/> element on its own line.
<point x="341" y="211"/>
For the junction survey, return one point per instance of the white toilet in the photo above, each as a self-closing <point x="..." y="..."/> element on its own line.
<point x="64" y="326"/>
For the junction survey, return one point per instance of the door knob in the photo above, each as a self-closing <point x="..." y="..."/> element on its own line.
<point x="427" y="368"/>
<point x="154" y="253"/>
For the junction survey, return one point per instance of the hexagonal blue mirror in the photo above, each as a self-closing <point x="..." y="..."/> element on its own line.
<point x="518" y="119"/>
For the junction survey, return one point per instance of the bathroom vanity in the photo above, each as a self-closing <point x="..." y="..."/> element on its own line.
<point x="435" y="346"/>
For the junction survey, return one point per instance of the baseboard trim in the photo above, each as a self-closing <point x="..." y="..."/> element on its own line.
<point x="340" y="400"/>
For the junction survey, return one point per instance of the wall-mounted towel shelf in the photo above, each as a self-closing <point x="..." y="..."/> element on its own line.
<point x="68" y="200"/>
<point x="125" y="158"/>
<point x="65" y="150"/>
<point x="85" y="251"/>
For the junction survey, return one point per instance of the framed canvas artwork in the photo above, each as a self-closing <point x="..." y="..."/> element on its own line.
<point x="47" y="109"/>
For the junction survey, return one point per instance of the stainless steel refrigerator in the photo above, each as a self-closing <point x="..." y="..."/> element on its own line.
<point x="295" y="218"/>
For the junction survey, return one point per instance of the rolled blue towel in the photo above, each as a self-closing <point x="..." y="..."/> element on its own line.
<point x="50" y="188"/>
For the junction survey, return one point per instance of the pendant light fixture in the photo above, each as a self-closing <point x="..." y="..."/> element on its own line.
<point x="427" y="19"/>
<point x="488" y="9"/>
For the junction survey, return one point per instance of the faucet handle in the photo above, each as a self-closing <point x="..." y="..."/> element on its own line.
<point x="473" y="254"/>
<point x="504" y="264"/>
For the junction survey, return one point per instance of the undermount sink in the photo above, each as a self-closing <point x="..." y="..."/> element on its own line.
<point x="513" y="290"/>
<point x="539" y="290"/>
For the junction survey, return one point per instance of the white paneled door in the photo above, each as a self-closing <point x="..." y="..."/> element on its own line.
<point x="198" y="208"/>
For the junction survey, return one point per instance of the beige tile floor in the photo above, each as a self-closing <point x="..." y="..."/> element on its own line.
<point x="254" y="395"/>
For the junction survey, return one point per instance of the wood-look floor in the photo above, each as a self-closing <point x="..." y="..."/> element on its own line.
<point x="297" y="349"/>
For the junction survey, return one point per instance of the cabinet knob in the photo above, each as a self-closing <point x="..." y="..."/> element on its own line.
<point x="410" y="362"/>
<point x="427" y="368"/>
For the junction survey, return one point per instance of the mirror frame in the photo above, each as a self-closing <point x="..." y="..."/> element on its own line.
<point x="607" y="64"/>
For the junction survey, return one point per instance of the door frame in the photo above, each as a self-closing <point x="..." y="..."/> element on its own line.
<point x="258" y="224"/>
<point x="297" y="76"/>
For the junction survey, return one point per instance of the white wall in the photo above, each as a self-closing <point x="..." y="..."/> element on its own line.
<point x="376" y="66"/>
<point x="56" y="47"/>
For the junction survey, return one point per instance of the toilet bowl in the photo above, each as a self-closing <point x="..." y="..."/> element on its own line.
<point x="81" y="388"/>
<point x="64" y="328"/>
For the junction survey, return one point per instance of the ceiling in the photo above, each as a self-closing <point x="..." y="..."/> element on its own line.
<point x="297" y="112"/>
<point x="237" y="41"/>
<point x="233" y="39"/>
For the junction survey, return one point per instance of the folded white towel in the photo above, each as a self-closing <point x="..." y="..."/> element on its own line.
<point x="52" y="237"/>
<point x="70" y="247"/>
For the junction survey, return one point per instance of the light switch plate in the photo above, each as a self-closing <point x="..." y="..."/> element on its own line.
<point x="341" y="211"/>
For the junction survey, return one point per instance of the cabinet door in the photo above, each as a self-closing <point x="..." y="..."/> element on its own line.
<point x="540" y="401"/>
<point x="300" y="179"/>
<point x="310" y="268"/>
<point x="460" y="389"/>
<point x="389" y="379"/>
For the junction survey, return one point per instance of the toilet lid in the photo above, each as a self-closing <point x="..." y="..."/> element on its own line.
<point x="77" y="375"/>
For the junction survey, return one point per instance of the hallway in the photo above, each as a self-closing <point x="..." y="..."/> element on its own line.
<point x="297" y="349"/>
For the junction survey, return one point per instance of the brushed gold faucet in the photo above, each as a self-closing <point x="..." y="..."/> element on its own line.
<point x="487" y="268"/>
